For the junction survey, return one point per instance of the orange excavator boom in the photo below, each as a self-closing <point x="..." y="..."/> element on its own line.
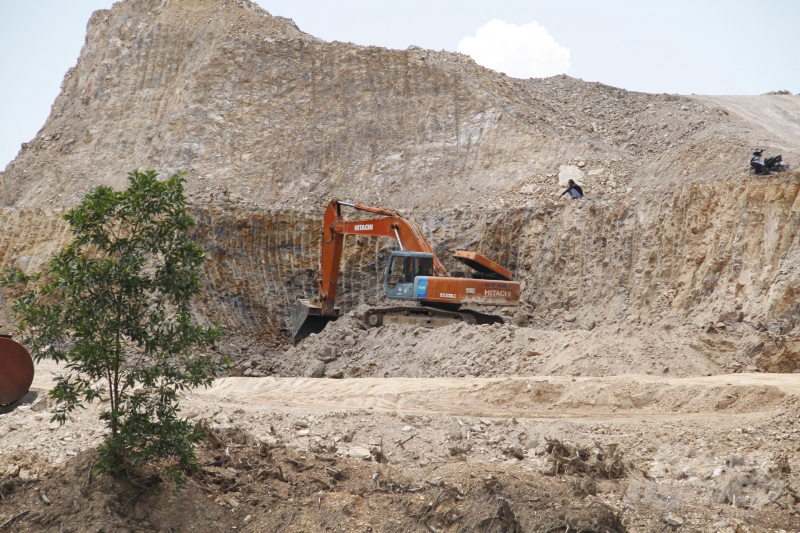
<point x="414" y="273"/>
<point x="391" y="224"/>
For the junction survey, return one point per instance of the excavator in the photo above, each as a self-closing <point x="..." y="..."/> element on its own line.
<point x="413" y="273"/>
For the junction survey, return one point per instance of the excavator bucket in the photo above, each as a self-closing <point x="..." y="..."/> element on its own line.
<point x="307" y="318"/>
<point x="16" y="370"/>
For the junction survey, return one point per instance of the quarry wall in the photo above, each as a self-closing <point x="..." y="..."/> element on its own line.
<point x="272" y="123"/>
<point x="705" y="253"/>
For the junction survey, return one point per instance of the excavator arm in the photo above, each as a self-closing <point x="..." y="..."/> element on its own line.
<point x="439" y="294"/>
<point x="311" y="316"/>
<point x="392" y="225"/>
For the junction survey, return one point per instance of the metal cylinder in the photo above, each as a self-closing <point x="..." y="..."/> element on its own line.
<point x="16" y="371"/>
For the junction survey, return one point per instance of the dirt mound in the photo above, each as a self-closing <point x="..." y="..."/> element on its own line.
<point x="622" y="396"/>
<point x="271" y="488"/>
<point x="77" y="499"/>
<point x="246" y="484"/>
<point x="346" y="348"/>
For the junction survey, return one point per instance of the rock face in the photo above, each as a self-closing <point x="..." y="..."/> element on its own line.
<point x="272" y="123"/>
<point x="260" y="112"/>
<point x="704" y="251"/>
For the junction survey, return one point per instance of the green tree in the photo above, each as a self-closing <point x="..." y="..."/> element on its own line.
<point x="114" y="305"/>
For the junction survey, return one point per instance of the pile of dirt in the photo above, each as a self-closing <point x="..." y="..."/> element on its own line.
<point x="577" y="347"/>
<point x="275" y="489"/>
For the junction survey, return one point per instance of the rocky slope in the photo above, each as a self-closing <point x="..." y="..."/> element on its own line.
<point x="719" y="255"/>
<point x="677" y="270"/>
<point x="260" y="112"/>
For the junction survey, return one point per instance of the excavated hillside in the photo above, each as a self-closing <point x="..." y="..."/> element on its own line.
<point x="639" y="302"/>
<point x="272" y="123"/>
<point x="269" y="117"/>
<point x="719" y="257"/>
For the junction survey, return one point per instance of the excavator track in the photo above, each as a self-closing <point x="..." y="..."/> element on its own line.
<point x="426" y="317"/>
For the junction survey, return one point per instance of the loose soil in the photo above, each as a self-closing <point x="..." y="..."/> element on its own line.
<point x="406" y="454"/>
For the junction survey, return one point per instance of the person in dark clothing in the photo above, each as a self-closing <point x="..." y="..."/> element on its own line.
<point x="574" y="190"/>
<point x="767" y="166"/>
<point x="757" y="163"/>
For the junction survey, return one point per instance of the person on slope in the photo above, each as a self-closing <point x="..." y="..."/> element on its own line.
<point x="574" y="190"/>
<point x="768" y="165"/>
<point x="757" y="163"/>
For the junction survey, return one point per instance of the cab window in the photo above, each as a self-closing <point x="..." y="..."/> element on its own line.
<point x="424" y="266"/>
<point x="403" y="270"/>
<point x="396" y="272"/>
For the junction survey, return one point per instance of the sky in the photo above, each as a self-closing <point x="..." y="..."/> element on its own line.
<point x="658" y="46"/>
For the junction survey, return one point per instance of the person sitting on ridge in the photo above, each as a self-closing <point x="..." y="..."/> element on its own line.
<point x="757" y="163"/>
<point x="574" y="190"/>
<point x="768" y="165"/>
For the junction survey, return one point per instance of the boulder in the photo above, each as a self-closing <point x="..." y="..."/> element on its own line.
<point x="316" y="370"/>
<point x="40" y="404"/>
<point x="360" y="453"/>
<point x="328" y="354"/>
<point x="569" y="172"/>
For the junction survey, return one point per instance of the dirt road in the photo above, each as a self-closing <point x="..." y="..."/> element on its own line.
<point x="775" y="119"/>
<point x="687" y="442"/>
<point x="615" y="397"/>
<point x="553" y="397"/>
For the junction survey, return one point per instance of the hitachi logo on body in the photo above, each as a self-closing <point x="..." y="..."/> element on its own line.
<point x="362" y="227"/>
<point x="493" y="292"/>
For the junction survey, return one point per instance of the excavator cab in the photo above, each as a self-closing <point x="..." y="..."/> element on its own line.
<point x="402" y="271"/>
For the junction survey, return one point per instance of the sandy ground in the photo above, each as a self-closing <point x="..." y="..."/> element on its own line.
<point x="611" y="398"/>
<point x="776" y="116"/>
<point x="712" y="450"/>
<point x="563" y="406"/>
<point x="689" y="443"/>
<point x="552" y="397"/>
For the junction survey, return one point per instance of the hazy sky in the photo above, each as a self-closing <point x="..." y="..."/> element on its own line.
<point x="661" y="46"/>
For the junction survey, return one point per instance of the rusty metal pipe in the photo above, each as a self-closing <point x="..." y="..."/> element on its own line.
<point x="16" y="371"/>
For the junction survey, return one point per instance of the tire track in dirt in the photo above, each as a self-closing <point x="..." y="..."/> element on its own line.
<point x="612" y="398"/>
